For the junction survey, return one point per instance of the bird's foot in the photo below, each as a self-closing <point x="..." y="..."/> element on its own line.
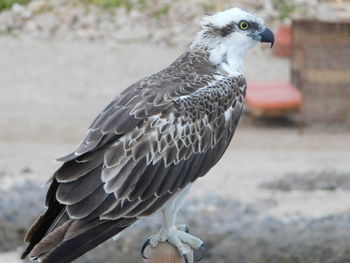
<point x="177" y="236"/>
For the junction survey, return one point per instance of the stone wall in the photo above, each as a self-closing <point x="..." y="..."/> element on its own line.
<point x="321" y="69"/>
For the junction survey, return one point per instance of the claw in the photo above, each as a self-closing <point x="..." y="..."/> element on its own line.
<point x="146" y="244"/>
<point x="185" y="258"/>
<point x="202" y="253"/>
<point x="187" y="229"/>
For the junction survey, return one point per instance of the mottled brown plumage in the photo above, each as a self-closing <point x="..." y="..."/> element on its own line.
<point x="151" y="141"/>
<point x="144" y="150"/>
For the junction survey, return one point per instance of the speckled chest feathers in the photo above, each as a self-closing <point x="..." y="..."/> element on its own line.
<point x="187" y="108"/>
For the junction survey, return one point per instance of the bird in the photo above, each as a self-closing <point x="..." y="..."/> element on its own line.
<point x="144" y="151"/>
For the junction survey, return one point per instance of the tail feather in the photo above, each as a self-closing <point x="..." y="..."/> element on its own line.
<point x="50" y="241"/>
<point x="46" y="221"/>
<point x="39" y="229"/>
<point x="75" y="238"/>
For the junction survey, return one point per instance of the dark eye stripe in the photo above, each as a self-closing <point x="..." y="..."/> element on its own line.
<point x="230" y="28"/>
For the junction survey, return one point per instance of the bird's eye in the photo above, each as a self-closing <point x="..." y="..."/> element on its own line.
<point x="244" y="25"/>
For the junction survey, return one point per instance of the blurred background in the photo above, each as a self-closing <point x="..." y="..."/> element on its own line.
<point x="281" y="193"/>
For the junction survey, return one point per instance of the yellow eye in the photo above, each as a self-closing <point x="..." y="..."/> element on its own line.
<point x="244" y="25"/>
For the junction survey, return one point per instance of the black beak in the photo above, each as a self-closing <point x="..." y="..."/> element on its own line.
<point x="267" y="37"/>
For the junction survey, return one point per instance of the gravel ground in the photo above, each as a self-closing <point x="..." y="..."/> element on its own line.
<point x="328" y="180"/>
<point x="233" y="231"/>
<point x="165" y="22"/>
<point x="50" y="92"/>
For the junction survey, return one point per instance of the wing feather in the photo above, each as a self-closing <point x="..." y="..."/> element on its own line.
<point x="157" y="205"/>
<point x="152" y="188"/>
<point x="86" y="206"/>
<point x="142" y="207"/>
<point x="72" y="170"/>
<point x="170" y="179"/>
<point x="119" y="210"/>
<point x="129" y="184"/>
<point x="145" y="180"/>
<point x="73" y="192"/>
<point x="120" y="177"/>
<point x="181" y="176"/>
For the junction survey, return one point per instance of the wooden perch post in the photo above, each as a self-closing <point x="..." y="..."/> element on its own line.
<point x="166" y="253"/>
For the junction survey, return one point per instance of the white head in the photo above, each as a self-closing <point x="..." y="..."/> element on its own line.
<point x="228" y="35"/>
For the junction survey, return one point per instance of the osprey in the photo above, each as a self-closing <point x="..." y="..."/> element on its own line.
<point x="145" y="149"/>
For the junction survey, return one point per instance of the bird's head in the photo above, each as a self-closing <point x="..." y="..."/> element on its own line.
<point x="228" y="35"/>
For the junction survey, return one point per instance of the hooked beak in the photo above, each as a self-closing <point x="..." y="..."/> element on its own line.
<point x="267" y="37"/>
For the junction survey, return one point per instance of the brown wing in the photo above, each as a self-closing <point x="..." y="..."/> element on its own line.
<point x="149" y="143"/>
<point x="145" y="98"/>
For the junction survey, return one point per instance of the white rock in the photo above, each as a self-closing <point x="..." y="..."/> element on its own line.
<point x="6" y="21"/>
<point x="21" y="11"/>
<point x="69" y="18"/>
<point x="38" y="6"/>
<point x="47" y="22"/>
<point x="31" y="27"/>
<point x="89" y="34"/>
<point x="88" y="20"/>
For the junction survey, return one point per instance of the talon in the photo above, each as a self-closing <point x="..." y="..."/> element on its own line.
<point x="185" y="258"/>
<point x="146" y="244"/>
<point x="202" y="253"/>
<point x="187" y="229"/>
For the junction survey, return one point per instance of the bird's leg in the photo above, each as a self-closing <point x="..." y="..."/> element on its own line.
<point x="175" y="234"/>
<point x="183" y="227"/>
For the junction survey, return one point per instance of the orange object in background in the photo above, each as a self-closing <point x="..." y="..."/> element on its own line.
<point x="283" y="46"/>
<point x="273" y="99"/>
<point x="273" y="96"/>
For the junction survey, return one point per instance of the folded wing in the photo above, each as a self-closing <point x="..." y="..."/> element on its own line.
<point x="158" y="136"/>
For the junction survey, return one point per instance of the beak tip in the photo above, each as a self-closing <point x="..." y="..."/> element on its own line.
<point x="268" y="37"/>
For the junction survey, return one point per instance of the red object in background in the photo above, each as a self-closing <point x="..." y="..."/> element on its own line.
<point x="283" y="45"/>
<point x="273" y="96"/>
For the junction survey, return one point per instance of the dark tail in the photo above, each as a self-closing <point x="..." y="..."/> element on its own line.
<point x="75" y="238"/>
<point x="42" y="225"/>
